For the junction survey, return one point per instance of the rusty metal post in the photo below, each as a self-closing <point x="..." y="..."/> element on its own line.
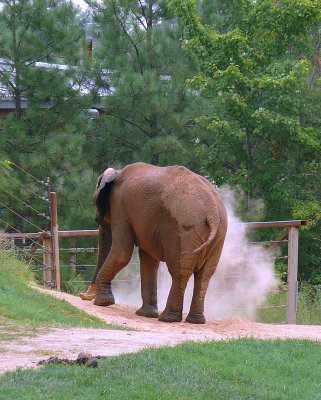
<point x="47" y="263"/>
<point x="293" y="253"/>
<point x="55" y="239"/>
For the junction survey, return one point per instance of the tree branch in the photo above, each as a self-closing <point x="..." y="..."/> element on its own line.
<point x="129" y="38"/>
<point x="129" y="122"/>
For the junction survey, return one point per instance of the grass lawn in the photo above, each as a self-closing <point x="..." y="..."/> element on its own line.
<point x="237" y="369"/>
<point x="23" y="310"/>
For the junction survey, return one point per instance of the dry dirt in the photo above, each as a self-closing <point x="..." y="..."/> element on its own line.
<point x="68" y="343"/>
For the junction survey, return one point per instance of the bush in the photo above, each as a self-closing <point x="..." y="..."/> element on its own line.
<point x="12" y="265"/>
<point x="75" y="284"/>
<point x="309" y="306"/>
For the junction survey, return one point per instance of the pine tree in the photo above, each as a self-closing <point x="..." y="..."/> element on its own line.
<point x="149" y="113"/>
<point x="42" y="73"/>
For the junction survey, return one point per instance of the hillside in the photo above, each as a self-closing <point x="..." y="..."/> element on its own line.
<point x="23" y="310"/>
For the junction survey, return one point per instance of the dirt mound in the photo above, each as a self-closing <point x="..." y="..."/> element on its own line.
<point x="68" y="343"/>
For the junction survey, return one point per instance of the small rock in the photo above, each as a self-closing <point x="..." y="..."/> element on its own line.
<point x="83" y="358"/>
<point x="92" y="362"/>
<point x="49" y="361"/>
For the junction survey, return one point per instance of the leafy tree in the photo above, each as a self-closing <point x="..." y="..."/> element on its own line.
<point x="257" y="66"/>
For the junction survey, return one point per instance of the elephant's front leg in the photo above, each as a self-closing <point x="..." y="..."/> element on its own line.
<point x="118" y="257"/>
<point x="104" y="245"/>
<point x="148" y="272"/>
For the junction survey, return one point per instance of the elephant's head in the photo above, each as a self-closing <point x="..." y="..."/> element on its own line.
<point x="101" y="196"/>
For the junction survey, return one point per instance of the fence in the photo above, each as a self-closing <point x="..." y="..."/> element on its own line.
<point x="25" y="205"/>
<point x="47" y="242"/>
<point x="289" y="237"/>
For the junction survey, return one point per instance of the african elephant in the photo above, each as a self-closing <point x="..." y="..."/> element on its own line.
<point x="172" y="215"/>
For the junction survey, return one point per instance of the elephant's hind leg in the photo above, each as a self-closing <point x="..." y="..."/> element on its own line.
<point x="201" y="282"/>
<point x="180" y="268"/>
<point x="202" y="279"/>
<point x="148" y="273"/>
<point x="180" y="271"/>
<point x="174" y="307"/>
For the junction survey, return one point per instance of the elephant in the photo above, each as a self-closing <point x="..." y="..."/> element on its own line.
<point x="171" y="214"/>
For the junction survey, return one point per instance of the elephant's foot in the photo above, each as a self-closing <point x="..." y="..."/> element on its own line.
<point x="148" y="311"/>
<point x="104" y="300"/>
<point x="104" y="296"/>
<point x="90" y="294"/>
<point x="170" y="316"/>
<point x="195" y="318"/>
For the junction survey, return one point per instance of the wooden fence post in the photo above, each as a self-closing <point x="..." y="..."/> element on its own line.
<point x="47" y="262"/>
<point x="293" y="252"/>
<point x="55" y="239"/>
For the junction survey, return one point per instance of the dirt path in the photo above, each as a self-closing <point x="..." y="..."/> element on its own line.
<point x="68" y="343"/>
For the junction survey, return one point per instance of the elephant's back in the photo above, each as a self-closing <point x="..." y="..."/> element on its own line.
<point x="163" y="202"/>
<point x="190" y="198"/>
<point x="184" y="194"/>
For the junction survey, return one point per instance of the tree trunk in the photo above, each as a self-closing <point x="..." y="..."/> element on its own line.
<point x="17" y="72"/>
<point x="17" y="98"/>
<point x="149" y="34"/>
<point x="249" y="171"/>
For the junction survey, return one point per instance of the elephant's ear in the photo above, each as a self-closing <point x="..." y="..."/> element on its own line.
<point x="103" y="188"/>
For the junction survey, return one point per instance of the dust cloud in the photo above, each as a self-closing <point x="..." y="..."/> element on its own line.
<point x="243" y="279"/>
<point x="245" y="274"/>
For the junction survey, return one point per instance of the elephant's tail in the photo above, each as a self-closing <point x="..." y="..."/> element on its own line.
<point x="213" y="231"/>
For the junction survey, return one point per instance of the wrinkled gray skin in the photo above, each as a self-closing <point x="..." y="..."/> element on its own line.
<point x="172" y="215"/>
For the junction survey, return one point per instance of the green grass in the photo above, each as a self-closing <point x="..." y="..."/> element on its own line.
<point x="24" y="310"/>
<point x="273" y="315"/>
<point x="309" y="307"/>
<point x="309" y="304"/>
<point x="226" y="370"/>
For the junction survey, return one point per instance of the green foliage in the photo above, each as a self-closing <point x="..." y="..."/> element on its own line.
<point x="33" y="31"/>
<point x="309" y="306"/>
<point x="275" y="311"/>
<point x="6" y="163"/>
<point x="310" y="210"/>
<point x="150" y="115"/>
<point x="233" y="369"/>
<point x="257" y="66"/>
<point x="287" y="22"/>
<point x="41" y="58"/>
<point x="75" y="284"/>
